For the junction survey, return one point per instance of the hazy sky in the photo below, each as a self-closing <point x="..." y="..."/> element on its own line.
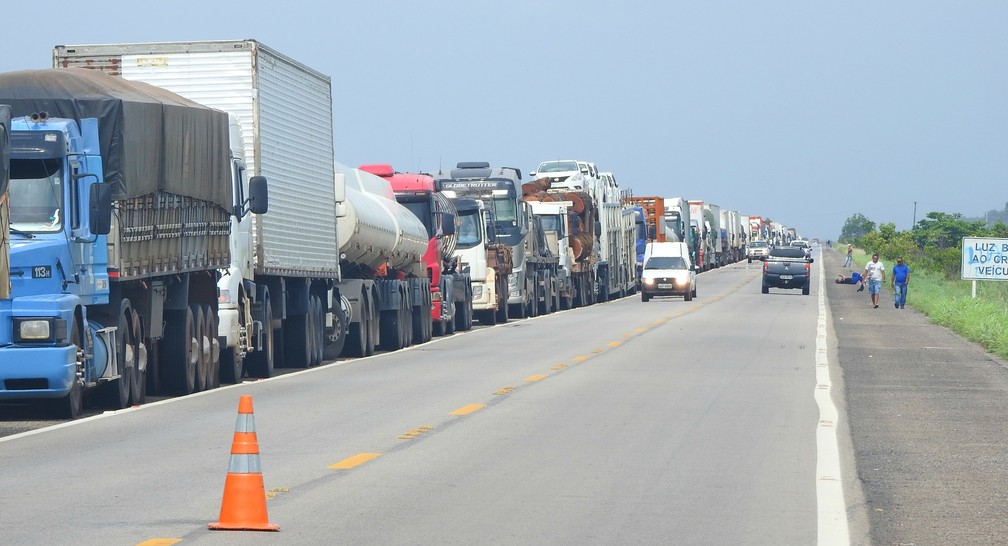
<point x="802" y="111"/>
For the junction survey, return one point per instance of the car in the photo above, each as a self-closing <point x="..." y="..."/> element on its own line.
<point x="757" y="250"/>
<point x="667" y="271"/>
<point x="787" y="267"/>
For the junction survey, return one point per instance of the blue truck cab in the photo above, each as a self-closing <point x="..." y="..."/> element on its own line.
<point x="59" y="218"/>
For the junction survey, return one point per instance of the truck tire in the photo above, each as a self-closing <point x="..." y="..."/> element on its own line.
<point x="232" y="367"/>
<point x="260" y="363"/>
<point x="202" y="362"/>
<point x="117" y="392"/>
<point x="391" y="328"/>
<point x="138" y="385"/>
<point x="178" y="352"/>
<point x="335" y="335"/>
<point x="69" y="407"/>
<point x="318" y="330"/>
<point x="464" y="313"/>
<point x="297" y="339"/>
<point x="212" y="348"/>
<point x="358" y="333"/>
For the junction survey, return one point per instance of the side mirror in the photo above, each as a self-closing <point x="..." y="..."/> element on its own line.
<point x="598" y="229"/>
<point x="447" y="224"/>
<point x="258" y="195"/>
<point x="811" y="260"/>
<point x="100" y="209"/>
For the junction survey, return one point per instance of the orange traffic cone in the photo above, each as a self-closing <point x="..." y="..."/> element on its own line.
<point x="244" y="504"/>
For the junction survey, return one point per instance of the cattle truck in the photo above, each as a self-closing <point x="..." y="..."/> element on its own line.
<point x="100" y="300"/>
<point x="450" y="288"/>
<point x="290" y="278"/>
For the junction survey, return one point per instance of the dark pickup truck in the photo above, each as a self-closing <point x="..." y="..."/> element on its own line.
<point x="787" y="267"/>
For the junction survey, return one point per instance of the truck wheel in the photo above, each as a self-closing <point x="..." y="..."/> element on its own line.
<point x="421" y="324"/>
<point x="232" y="367"/>
<point x="69" y="407"/>
<point x="117" y="392"/>
<point x="211" y="348"/>
<point x="336" y="335"/>
<point x="502" y="313"/>
<point x="202" y="362"/>
<point x="297" y="338"/>
<point x="487" y="318"/>
<point x="179" y="352"/>
<point x="138" y="384"/>
<point x="358" y="334"/>
<point x="260" y="363"/>
<point x="750" y="260"/>
<point x="390" y="330"/>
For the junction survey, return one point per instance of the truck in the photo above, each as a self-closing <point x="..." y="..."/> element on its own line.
<point x="101" y="301"/>
<point x="602" y="228"/>
<point x="499" y="189"/>
<point x="483" y="257"/>
<point x="651" y="225"/>
<point x="677" y="218"/>
<point x="701" y="231"/>
<point x="731" y="235"/>
<point x="300" y="291"/>
<point x="450" y="287"/>
<point x="712" y="225"/>
<point x="553" y="218"/>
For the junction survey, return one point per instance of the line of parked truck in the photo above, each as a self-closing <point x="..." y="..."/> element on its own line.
<point x="177" y="219"/>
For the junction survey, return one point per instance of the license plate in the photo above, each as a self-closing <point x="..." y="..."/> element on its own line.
<point x="786" y="277"/>
<point x="665" y="285"/>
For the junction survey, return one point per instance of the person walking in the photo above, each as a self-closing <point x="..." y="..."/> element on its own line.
<point x="850" y="254"/>
<point x="874" y="271"/>
<point x="900" y="280"/>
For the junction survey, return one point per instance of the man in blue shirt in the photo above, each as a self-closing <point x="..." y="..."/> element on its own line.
<point x="900" y="280"/>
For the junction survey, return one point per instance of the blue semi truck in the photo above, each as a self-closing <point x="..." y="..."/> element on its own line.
<point x="120" y="206"/>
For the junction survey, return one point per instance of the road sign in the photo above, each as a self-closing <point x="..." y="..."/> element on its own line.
<point x="984" y="259"/>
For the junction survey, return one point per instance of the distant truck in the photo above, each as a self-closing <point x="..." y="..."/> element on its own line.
<point x="98" y="298"/>
<point x="451" y="289"/>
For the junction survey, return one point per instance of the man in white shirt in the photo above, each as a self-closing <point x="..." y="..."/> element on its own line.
<point x="874" y="271"/>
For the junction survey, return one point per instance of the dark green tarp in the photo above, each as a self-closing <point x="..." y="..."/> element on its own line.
<point x="151" y="138"/>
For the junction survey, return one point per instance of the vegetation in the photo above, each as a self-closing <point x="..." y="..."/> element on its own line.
<point x="933" y="250"/>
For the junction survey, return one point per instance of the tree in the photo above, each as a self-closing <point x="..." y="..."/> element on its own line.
<point x="855" y="227"/>
<point x="942" y="230"/>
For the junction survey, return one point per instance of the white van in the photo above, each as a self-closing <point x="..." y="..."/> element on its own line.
<point x="668" y="271"/>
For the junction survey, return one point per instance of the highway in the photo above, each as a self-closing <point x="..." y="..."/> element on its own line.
<point x="737" y="418"/>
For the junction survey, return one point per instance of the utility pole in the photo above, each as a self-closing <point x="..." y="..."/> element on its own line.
<point x="915" y="216"/>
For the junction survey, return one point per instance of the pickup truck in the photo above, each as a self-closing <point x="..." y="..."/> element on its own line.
<point x="787" y="267"/>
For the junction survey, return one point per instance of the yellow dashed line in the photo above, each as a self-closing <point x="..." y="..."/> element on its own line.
<point x="627" y="336"/>
<point x="535" y="377"/>
<point x="615" y="343"/>
<point x="466" y="410"/>
<point x="273" y="493"/>
<point x="357" y="459"/>
<point x="559" y="367"/>
<point x="597" y="351"/>
<point x="504" y="390"/>
<point x="160" y="542"/>
<point x="640" y="330"/>
<point x="581" y="358"/>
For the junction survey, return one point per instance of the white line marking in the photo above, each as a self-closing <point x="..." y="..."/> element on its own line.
<point x="831" y="509"/>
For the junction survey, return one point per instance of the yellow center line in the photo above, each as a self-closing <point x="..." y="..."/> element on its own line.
<point x="160" y="542"/>
<point x="466" y="410"/>
<point x="535" y="377"/>
<point x="559" y="367"/>
<point x="615" y="343"/>
<point x="640" y="330"/>
<point x="357" y="459"/>
<point x="580" y="358"/>
<point x="597" y="351"/>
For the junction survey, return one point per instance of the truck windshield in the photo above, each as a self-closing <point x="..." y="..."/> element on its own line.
<point x="550" y="222"/>
<point x="469" y="229"/>
<point x="422" y="210"/>
<point x="36" y="195"/>
<point x="665" y="262"/>
<point x="557" y="167"/>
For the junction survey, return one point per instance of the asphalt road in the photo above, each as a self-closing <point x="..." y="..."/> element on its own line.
<point x="927" y="418"/>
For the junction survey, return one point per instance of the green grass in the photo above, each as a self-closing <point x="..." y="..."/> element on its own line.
<point x="983" y="319"/>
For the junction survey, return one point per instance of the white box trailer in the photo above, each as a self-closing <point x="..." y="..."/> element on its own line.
<point x="285" y="113"/>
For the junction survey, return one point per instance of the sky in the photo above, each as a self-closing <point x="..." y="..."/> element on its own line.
<point x="805" y="112"/>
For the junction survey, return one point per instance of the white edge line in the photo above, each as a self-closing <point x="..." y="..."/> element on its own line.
<point x="831" y="507"/>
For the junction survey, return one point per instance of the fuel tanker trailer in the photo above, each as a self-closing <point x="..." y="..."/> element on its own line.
<point x="383" y="284"/>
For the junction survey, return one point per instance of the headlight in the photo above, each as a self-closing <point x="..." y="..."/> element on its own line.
<point x="42" y="329"/>
<point x="648" y="280"/>
<point x="513" y="280"/>
<point x="477" y="291"/>
<point x="223" y="296"/>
